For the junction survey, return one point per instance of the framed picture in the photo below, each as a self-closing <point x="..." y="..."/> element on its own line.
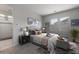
<point x="30" y="20"/>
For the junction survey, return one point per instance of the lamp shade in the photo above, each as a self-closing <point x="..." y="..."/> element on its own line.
<point x="26" y="33"/>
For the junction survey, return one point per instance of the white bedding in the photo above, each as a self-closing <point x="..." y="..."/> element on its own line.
<point x="41" y="38"/>
<point x="38" y="38"/>
<point x="50" y="42"/>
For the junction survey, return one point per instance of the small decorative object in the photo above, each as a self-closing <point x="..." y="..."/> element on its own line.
<point x="74" y="34"/>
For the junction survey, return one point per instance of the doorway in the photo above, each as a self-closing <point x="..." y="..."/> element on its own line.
<point x="6" y="33"/>
<point x="6" y="27"/>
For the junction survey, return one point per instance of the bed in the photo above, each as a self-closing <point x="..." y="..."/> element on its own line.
<point x="44" y="40"/>
<point x="38" y="38"/>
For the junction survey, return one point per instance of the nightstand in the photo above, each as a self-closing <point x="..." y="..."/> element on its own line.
<point x="24" y="39"/>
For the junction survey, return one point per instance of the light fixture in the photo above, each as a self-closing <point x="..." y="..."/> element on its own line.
<point x="26" y="33"/>
<point x="24" y="29"/>
<point x="43" y="28"/>
<point x="53" y="21"/>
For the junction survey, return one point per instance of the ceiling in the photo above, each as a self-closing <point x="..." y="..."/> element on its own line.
<point x="45" y="9"/>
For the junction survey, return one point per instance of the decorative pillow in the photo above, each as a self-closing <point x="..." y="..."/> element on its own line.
<point x="31" y="32"/>
<point x="38" y="32"/>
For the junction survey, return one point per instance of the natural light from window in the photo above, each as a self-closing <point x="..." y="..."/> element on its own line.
<point x="64" y="18"/>
<point x="53" y="21"/>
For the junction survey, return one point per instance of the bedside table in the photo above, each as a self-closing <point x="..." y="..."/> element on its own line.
<point x="24" y="39"/>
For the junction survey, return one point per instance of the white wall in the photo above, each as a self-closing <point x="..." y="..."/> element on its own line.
<point x="5" y="30"/>
<point x="20" y="19"/>
<point x="5" y="24"/>
<point x="73" y="14"/>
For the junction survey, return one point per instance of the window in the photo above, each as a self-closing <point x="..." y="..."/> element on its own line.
<point x="53" y="21"/>
<point x="64" y="18"/>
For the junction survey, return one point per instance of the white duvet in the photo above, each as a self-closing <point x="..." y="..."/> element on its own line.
<point x="38" y="38"/>
<point x="50" y="42"/>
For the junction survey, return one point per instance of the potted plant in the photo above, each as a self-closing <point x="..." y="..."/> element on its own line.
<point x="74" y="34"/>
